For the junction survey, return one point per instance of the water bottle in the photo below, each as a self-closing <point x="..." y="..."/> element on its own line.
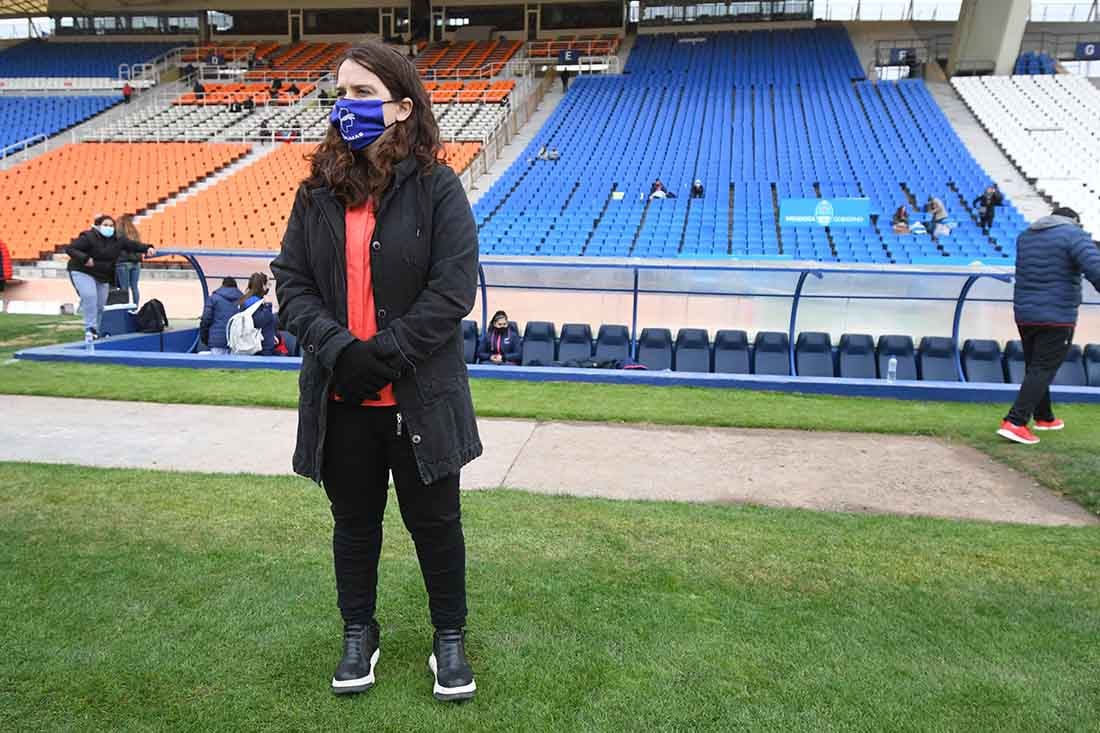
<point x="89" y="341"/>
<point x="892" y="370"/>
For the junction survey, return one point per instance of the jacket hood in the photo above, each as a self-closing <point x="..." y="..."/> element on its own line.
<point x="1049" y="222"/>
<point x="228" y="293"/>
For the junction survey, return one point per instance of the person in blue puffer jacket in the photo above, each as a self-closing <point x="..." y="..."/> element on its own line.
<point x="1051" y="256"/>
<point x="264" y="317"/>
<point x="220" y="307"/>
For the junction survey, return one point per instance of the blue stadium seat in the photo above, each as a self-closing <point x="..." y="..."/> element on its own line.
<point x="655" y="349"/>
<point x="1015" y="366"/>
<point x="692" y="351"/>
<point x="813" y="355"/>
<point x="771" y="354"/>
<point x="1092" y="364"/>
<point x="1072" y="371"/>
<point x="469" y="341"/>
<point x="26" y="117"/>
<point x="900" y="348"/>
<point x="857" y="356"/>
<point x="731" y="352"/>
<point x="73" y="59"/>
<point x="937" y="359"/>
<point x="538" y="343"/>
<point x="981" y="360"/>
<point x="575" y="343"/>
<point x="612" y="343"/>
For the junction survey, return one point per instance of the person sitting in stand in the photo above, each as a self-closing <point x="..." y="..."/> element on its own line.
<point x="543" y="153"/>
<point x="198" y="90"/>
<point x="553" y="154"/>
<point x="900" y="220"/>
<point x="697" y="189"/>
<point x="248" y="104"/>
<point x="276" y="85"/>
<point x="235" y="105"/>
<point x="658" y="191"/>
<point x="501" y="344"/>
<point x="293" y="90"/>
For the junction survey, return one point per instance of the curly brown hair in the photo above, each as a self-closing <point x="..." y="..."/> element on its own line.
<point x="356" y="176"/>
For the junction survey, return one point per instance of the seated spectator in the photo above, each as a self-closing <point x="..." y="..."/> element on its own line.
<point x="658" y="191"/>
<point x="248" y="104"/>
<point x="938" y="224"/>
<point x="189" y="70"/>
<point x="543" y="153"/>
<point x="264" y="317"/>
<point x="900" y="220"/>
<point x="293" y="90"/>
<point x="219" y="308"/>
<point x="501" y="344"/>
<point x="697" y="189"/>
<point x="276" y="85"/>
<point x="235" y="106"/>
<point x="199" y="90"/>
<point x="265" y="132"/>
<point x="553" y="154"/>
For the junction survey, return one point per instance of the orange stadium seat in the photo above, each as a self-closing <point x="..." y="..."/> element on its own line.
<point x="59" y="193"/>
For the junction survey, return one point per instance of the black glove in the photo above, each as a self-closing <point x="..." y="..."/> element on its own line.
<point x="360" y="374"/>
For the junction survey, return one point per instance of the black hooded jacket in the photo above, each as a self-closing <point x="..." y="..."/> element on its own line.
<point x="102" y="251"/>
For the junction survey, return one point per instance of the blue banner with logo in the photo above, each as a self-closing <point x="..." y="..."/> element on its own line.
<point x="1088" y="51"/>
<point x="825" y="212"/>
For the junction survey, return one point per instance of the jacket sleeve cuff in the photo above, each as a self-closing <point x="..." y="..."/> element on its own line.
<point x="390" y="351"/>
<point x="329" y="352"/>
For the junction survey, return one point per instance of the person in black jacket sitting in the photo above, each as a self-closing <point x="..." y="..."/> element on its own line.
<point x="93" y="257"/>
<point x="501" y="344"/>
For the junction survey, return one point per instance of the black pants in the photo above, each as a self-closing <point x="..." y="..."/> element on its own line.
<point x="1045" y="348"/>
<point x="361" y="448"/>
<point x="986" y="221"/>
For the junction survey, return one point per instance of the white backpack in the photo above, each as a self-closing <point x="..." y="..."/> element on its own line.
<point x="241" y="333"/>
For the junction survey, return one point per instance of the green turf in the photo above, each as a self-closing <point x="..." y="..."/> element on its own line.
<point x="139" y="600"/>
<point x="1067" y="462"/>
<point x="26" y="331"/>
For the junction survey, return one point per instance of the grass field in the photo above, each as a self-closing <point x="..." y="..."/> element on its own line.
<point x="139" y="600"/>
<point x="1068" y="463"/>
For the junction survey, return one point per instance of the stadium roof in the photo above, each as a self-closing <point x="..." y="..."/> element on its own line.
<point x="22" y="8"/>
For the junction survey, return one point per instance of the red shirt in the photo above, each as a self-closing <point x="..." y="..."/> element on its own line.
<point x="358" y="233"/>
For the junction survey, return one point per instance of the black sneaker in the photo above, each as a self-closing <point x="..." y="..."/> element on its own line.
<point x="355" y="673"/>
<point x="454" y="680"/>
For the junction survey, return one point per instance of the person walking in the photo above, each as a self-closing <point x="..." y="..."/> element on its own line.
<point x="377" y="269"/>
<point x="93" y="257"/>
<point x="1051" y="256"/>
<point x="986" y="205"/>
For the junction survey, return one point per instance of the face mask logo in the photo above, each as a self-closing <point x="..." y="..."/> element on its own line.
<point x="360" y="121"/>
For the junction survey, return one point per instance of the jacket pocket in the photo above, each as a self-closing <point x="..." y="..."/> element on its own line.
<point x="432" y="389"/>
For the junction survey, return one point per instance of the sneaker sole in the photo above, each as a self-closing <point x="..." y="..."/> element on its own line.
<point x="449" y="694"/>
<point x="361" y="684"/>
<point x="1059" y="427"/>
<point x="1015" y="438"/>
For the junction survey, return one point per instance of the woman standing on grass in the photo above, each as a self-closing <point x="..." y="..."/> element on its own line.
<point x="377" y="269"/>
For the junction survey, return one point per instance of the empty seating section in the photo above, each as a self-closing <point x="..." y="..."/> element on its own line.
<point x="54" y="59"/>
<point x="855" y="356"/>
<point x="229" y="50"/>
<point x="757" y="117"/>
<point x="174" y="122"/>
<point x="585" y="46"/>
<point x="1031" y="62"/>
<point x="466" y="59"/>
<point x="260" y="93"/>
<point x="25" y="117"/>
<point x="469" y="91"/>
<point x="315" y="58"/>
<point x="1047" y="125"/>
<point x="245" y="210"/>
<point x="468" y="121"/>
<point x="59" y="192"/>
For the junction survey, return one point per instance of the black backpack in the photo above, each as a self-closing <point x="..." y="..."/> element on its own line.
<point x="151" y="318"/>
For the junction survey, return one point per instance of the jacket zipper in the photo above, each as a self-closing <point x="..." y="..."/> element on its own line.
<point x="399" y="425"/>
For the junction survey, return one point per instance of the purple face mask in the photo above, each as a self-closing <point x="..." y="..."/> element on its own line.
<point x="360" y="121"/>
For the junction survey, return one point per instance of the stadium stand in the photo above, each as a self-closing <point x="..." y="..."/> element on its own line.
<point x="260" y="93"/>
<point x="768" y="353"/>
<point x="466" y="60"/>
<point x="316" y="58"/>
<point x="25" y="117"/>
<point x="171" y="123"/>
<point x="1032" y="63"/>
<point x="59" y="192"/>
<point x="470" y="91"/>
<point x="1047" y="125"/>
<point x="584" y="46"/>
<point x="55" y="59"/>
<point x="229" y="50"/>
<point x="758" y="117"/>
<point x="247" y="209"/>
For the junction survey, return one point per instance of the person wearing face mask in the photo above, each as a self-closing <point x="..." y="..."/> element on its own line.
<point x="263" y="318"/>
<point x="377" y="269"/>
<point x="93" y="259"/>
<point x="501" y="344"/>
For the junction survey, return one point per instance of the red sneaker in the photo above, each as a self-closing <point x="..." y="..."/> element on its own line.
<point x="1017" y="433"/>
<point x="1054" y="424"/>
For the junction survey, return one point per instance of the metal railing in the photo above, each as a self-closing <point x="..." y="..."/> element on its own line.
<point x="1080" y="12"/>
<point x="8" y="153"/>
<point x="1057" y="45"/>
